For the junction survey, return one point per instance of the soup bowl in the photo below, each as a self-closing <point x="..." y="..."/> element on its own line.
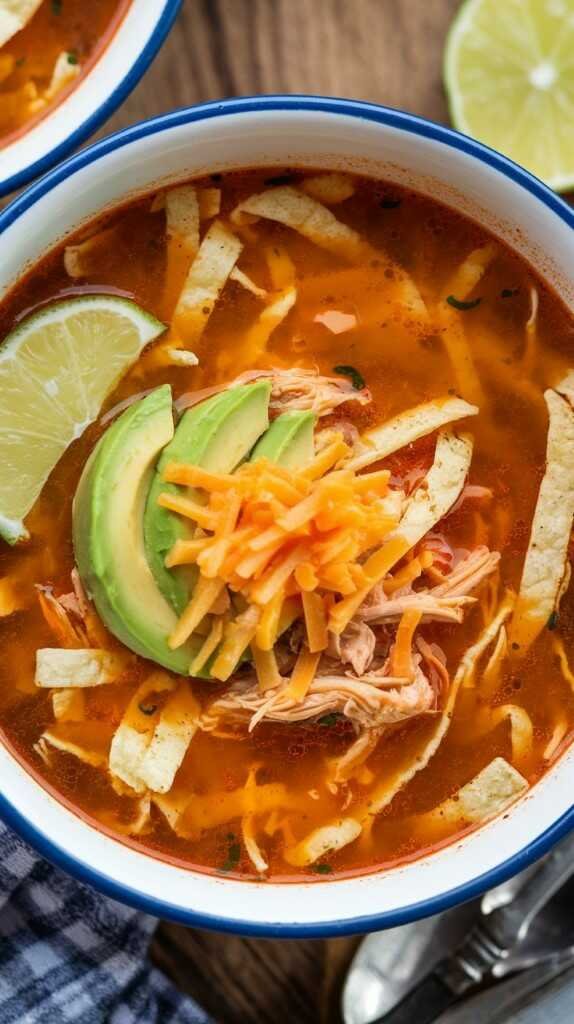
<point x="115" y="72"/>
<point x="303" y="132"/>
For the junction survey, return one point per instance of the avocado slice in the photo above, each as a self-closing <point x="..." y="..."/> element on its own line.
<point x="108" y="514"/>
<point x="216" y="435"/>
<point x="289" y="440"/>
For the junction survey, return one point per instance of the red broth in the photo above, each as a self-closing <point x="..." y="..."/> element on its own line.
<point x="403" y="362"/>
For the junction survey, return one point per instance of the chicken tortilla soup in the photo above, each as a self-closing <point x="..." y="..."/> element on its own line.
<point x="286" y="498"/>
<point x="45" y="47"/>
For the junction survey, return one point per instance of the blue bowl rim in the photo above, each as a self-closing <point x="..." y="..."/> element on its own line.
<point x="14" y="818"/>
<point x="106" y="109"/>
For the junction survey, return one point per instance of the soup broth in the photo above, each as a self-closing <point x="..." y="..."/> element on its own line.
<point x="478" y="324"/>
<point x="45" y="60"/>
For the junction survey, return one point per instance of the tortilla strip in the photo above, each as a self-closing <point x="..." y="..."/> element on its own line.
<point x="135" y="731"/>
<point x="321" y="841"/>
<point x="294" y="209"/>
<point x="216" y="258"/>
<point x="440" y="489"/>
<point x="423" y="510"/>
<point x="485" y="796"/>
<point x="472" y="656"/>
<point x="407" y="427"/>
<point x="257" y="337"/>
<point x="546" y="559"/>
<point x="14" y="15"/>
<point x="81" y="259"/>
<point x="382" y="796"/>
<point x="63" y="74"/>
<point x="182" y="217"/>
<point x="209" y="200"/>
<point x="77" y="667"/>
<point x="460" y="286"/>
<point x="246" y="282"/>
<point x="329" y="188"/>
<point x="172" y="735"/>
<point x="88" y="741"/>
<point x="69" y="705"/>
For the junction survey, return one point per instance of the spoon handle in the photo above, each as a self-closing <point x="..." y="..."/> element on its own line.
<point x="422" y="1005"/>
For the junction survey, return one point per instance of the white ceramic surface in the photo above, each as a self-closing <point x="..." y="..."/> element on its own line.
<point x="99" y="92"/>
<point x="336" y="134"/>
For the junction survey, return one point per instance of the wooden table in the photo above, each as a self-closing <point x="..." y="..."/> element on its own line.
<point x="388" y="51"/>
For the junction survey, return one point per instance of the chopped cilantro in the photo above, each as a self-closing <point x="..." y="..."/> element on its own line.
<point x="72" y="57"/>
<point x="147" y="709"/>
<point x="356" y="378"/>
<point x="56" y="6"/>
<point x="459" y="304"/>
<point x="233" y="853"/>
<point x="19" y="62"/>
<point x="508" y="293"/>
<point x="552" y="620"/>
<point x="328" y="720"/>
<point x="322" y="869"/>
<point x="389" y="204"/>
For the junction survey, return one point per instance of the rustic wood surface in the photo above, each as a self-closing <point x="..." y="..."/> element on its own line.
<point x="388" y="51"/>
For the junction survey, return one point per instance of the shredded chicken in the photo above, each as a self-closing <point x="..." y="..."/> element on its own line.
<point x="468" y="573"/>
<point x="433" y="609"/>
<point x="307" y="389"/>
<point x="365" y="701"/>
<point x="445" y="602"/>
<point x="354" y="647"/>
<point x="342" y="768"/>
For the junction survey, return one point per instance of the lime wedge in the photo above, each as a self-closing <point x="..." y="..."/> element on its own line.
<point x="509" y="75"/>
<point x="56" y="369"/>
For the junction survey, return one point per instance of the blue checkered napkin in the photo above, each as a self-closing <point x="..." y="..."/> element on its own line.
<point x="68" y="955"/>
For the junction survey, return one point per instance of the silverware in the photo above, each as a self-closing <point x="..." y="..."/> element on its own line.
<point x="491" y="941"/>
<point x="510" y="934"/>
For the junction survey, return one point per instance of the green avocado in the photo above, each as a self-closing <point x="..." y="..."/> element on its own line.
<point x="216" y="435"/>
<point x="108" y="514"/>
<point x="289" y="441"/>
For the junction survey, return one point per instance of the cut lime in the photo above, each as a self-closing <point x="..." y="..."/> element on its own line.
<point x="509" y="75"/>
<point x="56" y="369"/>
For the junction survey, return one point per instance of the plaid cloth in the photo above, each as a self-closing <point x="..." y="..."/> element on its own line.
<point x="68" y="955"/>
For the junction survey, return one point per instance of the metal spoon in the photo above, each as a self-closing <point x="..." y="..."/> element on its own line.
<point x="510" y="934"/>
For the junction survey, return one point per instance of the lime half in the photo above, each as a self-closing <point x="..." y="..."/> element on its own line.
<point x="509" y="75"/>
<point x="56" y="369"/>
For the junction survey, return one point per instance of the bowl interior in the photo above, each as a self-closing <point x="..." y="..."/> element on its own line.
<point x="314" y="133"/>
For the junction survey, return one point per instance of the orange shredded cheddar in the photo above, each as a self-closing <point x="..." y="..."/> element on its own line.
<point x="236" y="639"/>
<point x="187" y="508"/>
<point x="306" y="576"/>
<point x="376" y="483"/>
<point x="375" y="568"/>
<point x="185" y="551"/>
<point x="325" y="460"/>
<point x="401" y="655"/>
<point x="268" y="627"/>
<point x="277" y="576"/>
<point x="404" y="576"/>
<point x="207" y="648"/>
<point x="315" y="622"/>
<point x="303" y="674"/>
<point x="204" y="594"/>
<point x="194" y="476"/>
<point x="268" y="675"/>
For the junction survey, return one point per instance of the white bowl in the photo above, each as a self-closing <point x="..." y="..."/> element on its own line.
<point x="116" y="72"/>
<point x="293" y="131"/>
